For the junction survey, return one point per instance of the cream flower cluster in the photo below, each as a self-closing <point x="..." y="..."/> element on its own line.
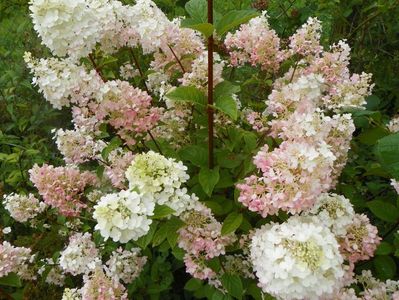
<point x="123" y="216"/>
<point x="23" y="208"/>
<point x="70" y="27"/>
<point x="334" y="211"/>
<point x="298" y="259"/>
<point x="77" y="146"/>
<point x="125" y="265"/>
<point x="198" y="76"/>
<point x="80" y="256"/>
<point x="161" y="177"/>
<point x="59" y="79"/>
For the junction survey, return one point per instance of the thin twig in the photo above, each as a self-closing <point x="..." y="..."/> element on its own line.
<point x="155" y="142"/>
<point x="136" y="62"/>
<point x="210" y="88"/>
<point x="98" y="70"/>
<point x="177" y="59"/>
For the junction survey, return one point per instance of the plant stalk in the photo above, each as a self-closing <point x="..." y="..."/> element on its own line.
<point x="210" y="88"/>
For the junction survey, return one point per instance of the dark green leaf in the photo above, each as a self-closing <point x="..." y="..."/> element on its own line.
<point x="387" y="150"/>
<point x="208" y="179"/>
<point x="197" y="155"/>
<point x="233" y="19"/>
<point x="384" y="210"/>
<point x="197" y="9"/>
<point x="162" y="211"/>
<point x="187" y="94"/>
<point x="11" y="279"/>
<point x="233" y="285"/>
<point x="385" y="267"/>
<point x="227" y="105"/>
<point x="231" y="223"/>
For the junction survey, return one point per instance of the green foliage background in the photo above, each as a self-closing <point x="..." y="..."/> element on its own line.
<point x="371" y="28"/>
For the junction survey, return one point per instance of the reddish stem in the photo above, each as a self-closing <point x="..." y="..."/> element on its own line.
<point x="177" y="59"/>
<point x="98" y="70"/>
<point x="210" y="88"/>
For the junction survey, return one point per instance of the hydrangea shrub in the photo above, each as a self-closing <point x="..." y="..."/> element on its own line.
<point x="136" y="194"/>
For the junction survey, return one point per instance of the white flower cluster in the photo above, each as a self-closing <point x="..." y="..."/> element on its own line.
<point x="77" y="146"/>
<point x="125" y="265"/>
<point x="161" y="177"/>
<point x="334" y="211"/>
<point x="59" y="79"/>
<point x="71" y="294"/>
<point x="70" y="27"/>
<point x="128" y="71"/>
<point x="80" y="256"/>
<point x="393" y="124"/>
<point x="305" y="91"/>
<point x="150" y="23"/>
<point x="123" y="216"/>
<point x="23" y="208"/>
<point x="198" y="76"/>
<point x="298" y="259"/>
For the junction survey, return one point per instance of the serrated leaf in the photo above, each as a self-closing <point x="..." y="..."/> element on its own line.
<point x="208" y="179"/>
<point x="11" y="279"/>
<point x="385" y="266"/>
<point x="231" y="223"/>
<point x="187" y="94"/>
<point x="387" y="150"/>
<point x="162" y="211"/>
<point x="144" y="241"/>
<point x="112" y="145"/>
<point x="197" y="155"/>
<point x="233" y="285"/>
<point x="233" y="19"/>
<point x="384" y="249"/>
<point x="197" y="9"/>
<point x="227" y="105"/>
<point x="226" y="88"/>
<point x="205" y="28"/>
<point x="193" y="284"/>
<point x="384" y="210"/>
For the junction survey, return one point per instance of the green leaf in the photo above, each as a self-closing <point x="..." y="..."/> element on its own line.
<point x="187" y="94"/>
<point x="208" y="179"/>
<point x="11" y="279"/>
<point x="227" y="105"/>
<point x="205" y="28"/>
<point x="197" y="9"/>
<point x="226" y="88"/>
<point x="385" y="267"/>
<point x="372" y="135"/>
<point x="387" y="150"/>
<point x="162" y="211"/>
<point x="197" y="155"/>
<point x="193" y="284"/>
<point x="113" y="144"/>
<point x="384" y="249"/>
<point x="384" y="210"/>
<point x="144" y="241"/>
<point x="231" y="223"/>
<point x="233" y="19"/>
<point x="233" y="285"/>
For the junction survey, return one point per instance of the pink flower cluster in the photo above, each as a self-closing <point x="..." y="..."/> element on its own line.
<point x="361" y="240"/>
<point x="13" y="259"/>
<point x="255" y="43"/>
<point x="119" y="161"/>
<point x="202" y="240"/>
<point x="62" y="187"/>
<point x="98" y="286"/>
<point x="293" y="175"/>
<point x="306" y="40"/>
<point x="128" y="110"/>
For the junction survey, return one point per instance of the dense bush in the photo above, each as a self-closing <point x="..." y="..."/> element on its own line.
<point x="26" y="139"/>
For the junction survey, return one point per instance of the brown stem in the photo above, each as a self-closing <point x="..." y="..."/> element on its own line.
<point x="177" y="59"/>
<point x="98" y="70"/>
<point x="136" y="62"/>
<point x="210" y="88"/>
<point x="155" y="142"/>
